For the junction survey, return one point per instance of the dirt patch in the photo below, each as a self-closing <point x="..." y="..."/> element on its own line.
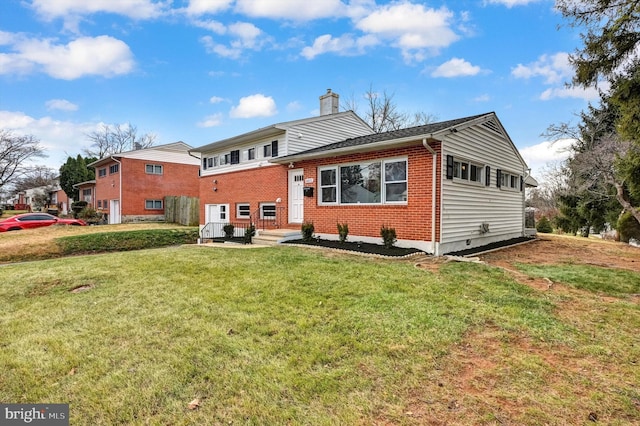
<point x="556" y="249"/>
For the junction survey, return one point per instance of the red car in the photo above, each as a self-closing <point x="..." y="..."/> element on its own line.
<point x="36" y="220"/>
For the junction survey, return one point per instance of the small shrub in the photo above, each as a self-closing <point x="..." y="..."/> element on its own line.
<point x="544" y="225"/>
<point x="307" y="231"/>
<point x="77" y="207"/>
<point x="628" y="227"/>
<point x="228" y="231"/>
<point x="388" y="236"/>
<point x="249" y="232"/>
<point x="343" y="232"/>
<point x="90" y="215"/>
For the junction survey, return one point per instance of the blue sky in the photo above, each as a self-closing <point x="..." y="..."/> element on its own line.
<point x="203" y="70"/>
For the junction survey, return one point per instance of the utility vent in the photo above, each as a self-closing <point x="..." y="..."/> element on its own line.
<point x="493" y="126"/>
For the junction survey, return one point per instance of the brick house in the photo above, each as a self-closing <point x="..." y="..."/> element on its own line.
<point x="444" y="187"/>
<point x="131" y="186"/>
<point x="240" y="183"/>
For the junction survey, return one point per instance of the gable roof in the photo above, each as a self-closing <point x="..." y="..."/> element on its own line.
<point x="376" y="141"/>
<point x="176" y="152"/>
<point x="270" y="131"/>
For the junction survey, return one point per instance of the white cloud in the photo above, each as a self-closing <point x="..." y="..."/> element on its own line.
<point x="257" y="105"/>
<point x="344" y="45"/>
<point x="61" y="104"/>
<point x="413" y="28"/>
<point x="482" y="98"/>
<point x="295" y="10"/>
<point x="588" y="94"/>
<point x="59" y="138"/>
<point x="201" y="7"/>
<point x="136" y="9"/>
<point x="456" y="67"/>
<point x="103" y="55"/>
<point x="546" y="153"/>
<point x="553" y="68"/>
<point x="216" y="99"/>
<point x="556" y="70"/>
<point x="512" y="3"/>
<point x="244" y="36"/>
<point x="211" y="121"/>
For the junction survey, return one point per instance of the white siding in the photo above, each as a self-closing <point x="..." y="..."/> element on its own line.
<point x="308" y="135"/>
<point x="466" y="206"/>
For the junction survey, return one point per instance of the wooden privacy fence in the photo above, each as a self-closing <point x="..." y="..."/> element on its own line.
<point x="182" y="210"/>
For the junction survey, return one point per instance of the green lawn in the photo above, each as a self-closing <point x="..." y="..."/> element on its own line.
<point x="285" y="335"/>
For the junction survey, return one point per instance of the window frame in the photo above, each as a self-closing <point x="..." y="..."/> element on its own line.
<point x="241" y="212"/>
<point x="462" y="170"/>
<point x="102" y="172"/>
<point x="154" y="201"/>
<point x="383" y="182"/>
<point x="262" y="211"/>
<point x="114" y="168"/>
<point x="154" y="168"/>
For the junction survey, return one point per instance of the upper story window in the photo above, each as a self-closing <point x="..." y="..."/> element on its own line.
<point x="153" y="169"/>
<point x="270" y="150"/>
<point x="251" y="154"/>
<point x="114" y="168"/>
<point x="102" y="172"/>
<point x="374" y="182"/>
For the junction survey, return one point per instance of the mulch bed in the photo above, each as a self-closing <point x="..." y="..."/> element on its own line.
<point x="360" y="247"/>
<point x="492" y="246"/>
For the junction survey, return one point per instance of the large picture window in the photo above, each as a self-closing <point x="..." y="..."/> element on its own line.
<point x="373" y="182"/>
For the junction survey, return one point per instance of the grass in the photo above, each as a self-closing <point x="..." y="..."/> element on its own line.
<point x="328" y="339"/>
<point x="40" y="243"/>
<point x="612" y="282"/>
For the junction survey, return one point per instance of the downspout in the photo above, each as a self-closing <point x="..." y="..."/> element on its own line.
<point x="526" y="174"/>
<point x="434" y="187"/>
<point x="119" y="188"/>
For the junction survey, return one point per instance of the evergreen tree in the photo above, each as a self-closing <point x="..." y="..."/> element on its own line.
<point x="75" y="171"/>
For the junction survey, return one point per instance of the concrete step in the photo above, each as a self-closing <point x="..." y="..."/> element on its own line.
<point x="275" y="236"/>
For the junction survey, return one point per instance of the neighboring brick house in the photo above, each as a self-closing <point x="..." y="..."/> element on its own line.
<point x="87" y="192"/>
<point x="444" y="187"/>
<point x="56" y="199"/>
<point x="131" y="186"/>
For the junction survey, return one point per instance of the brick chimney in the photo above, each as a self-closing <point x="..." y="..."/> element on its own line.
<point x="329" y="103"/>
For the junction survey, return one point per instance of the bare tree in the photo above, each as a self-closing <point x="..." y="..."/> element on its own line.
<point x="35" y="177"/>
<point x="598" y="167"/>
<point x="383" y="115"/>
<point x="112" y="139"/>
<point x="15" y="150"/>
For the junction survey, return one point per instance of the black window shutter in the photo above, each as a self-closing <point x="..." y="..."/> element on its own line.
<point x="449" y="166"/>
<point x="204" y="163"/>
<point x="487" y="177"/>
<point x="498" y="178"/>
<point x="521" y="183"/>
<point x="274" y="148"/>
<point x="235" y="156"/>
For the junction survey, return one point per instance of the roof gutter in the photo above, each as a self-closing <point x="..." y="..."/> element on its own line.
<point x="434" y="187"/>
<point x="375" y="146"/>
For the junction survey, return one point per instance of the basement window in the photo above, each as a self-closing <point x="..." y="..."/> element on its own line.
<point x="153" y="204"/>
<point x="268" y="211"/>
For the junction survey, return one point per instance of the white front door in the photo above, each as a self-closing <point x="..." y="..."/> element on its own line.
<point x="296" y="196"/>
<point x="216" y="215"/>
<point x="114" y="212"/>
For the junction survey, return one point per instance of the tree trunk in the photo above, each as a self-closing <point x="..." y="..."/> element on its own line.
<point x="626" y="205"/>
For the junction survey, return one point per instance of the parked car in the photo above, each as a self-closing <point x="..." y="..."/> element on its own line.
<point x="35" y="220"/>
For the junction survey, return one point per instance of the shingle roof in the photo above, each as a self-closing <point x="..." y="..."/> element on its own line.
<point x="394" y="134"/>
